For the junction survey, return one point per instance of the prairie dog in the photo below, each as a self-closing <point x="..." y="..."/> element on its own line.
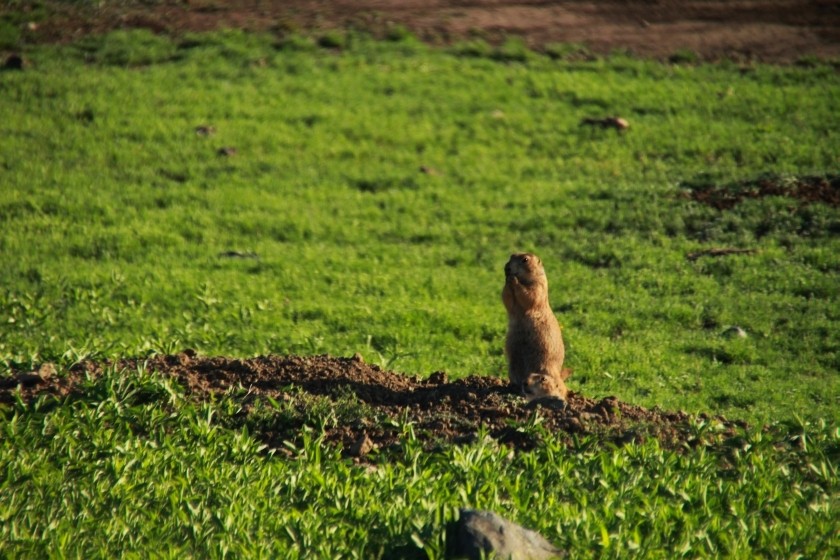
<point x="540" y="385"/>
<point x="534" y="343"/>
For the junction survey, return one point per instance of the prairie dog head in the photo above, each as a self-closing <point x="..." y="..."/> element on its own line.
<point x="526" y="286"/>
<point x="540" y="385"/>
<point x="525" y="268"/>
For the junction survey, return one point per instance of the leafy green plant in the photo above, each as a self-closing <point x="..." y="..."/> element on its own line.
<point x="124" y="476"/>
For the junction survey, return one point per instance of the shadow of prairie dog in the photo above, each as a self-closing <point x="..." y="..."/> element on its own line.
<point x="534" y="343"/>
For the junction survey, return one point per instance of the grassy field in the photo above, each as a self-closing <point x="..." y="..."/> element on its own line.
<point x="118" y="222"/>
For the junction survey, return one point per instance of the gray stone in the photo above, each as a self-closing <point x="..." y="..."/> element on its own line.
<point x="483" y="532"/>
<point x="734" y="332"/>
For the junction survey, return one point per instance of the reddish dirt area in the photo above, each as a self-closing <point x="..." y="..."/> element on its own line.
<point x="369" y="407"/>
<point x="768" y="30"/>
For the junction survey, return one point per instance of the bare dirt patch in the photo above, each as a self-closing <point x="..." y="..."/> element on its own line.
<point x="370" y="407"/>
<point x="807" y="190"/>
<point x="768" y="30"/>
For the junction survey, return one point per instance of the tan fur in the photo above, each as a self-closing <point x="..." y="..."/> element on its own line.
<point x="540" y="385"/>
<point x="534" y="343"/>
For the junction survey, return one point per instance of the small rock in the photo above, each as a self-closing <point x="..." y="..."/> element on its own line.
<point x="734" y="332"/>
<point x="226" y="151"/>
<point x="46" y="370"/>
<point x="617" y="123"/>
<point x="205" y="130"/>
<point x="484" y="534"/>
<point x="361" y="446"/>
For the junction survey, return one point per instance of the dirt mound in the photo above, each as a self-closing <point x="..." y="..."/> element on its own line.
<point x="363" y="407"/>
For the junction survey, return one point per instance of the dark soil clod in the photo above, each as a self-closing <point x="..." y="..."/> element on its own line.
<point x="616" y="123"/>
<point x="719" y="252"/>
<point x="14" y="62"/>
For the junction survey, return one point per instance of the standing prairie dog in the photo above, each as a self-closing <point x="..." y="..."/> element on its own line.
<point x="534" y="344"/>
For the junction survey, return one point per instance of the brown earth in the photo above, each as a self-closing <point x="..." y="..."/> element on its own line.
<point x="768" y="30"/>
<point x="806" y="190"/>
<point x="369" y="407"/>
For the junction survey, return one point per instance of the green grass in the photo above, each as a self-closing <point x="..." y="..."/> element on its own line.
<point x="134" y="469"/>
<point x="114" y="214"/>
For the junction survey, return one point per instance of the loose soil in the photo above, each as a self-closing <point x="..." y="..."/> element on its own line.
<point x="368" y="408"/>
<point x="746" y="30"/>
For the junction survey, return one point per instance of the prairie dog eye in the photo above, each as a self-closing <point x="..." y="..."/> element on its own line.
<point x="524" y="259"/>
